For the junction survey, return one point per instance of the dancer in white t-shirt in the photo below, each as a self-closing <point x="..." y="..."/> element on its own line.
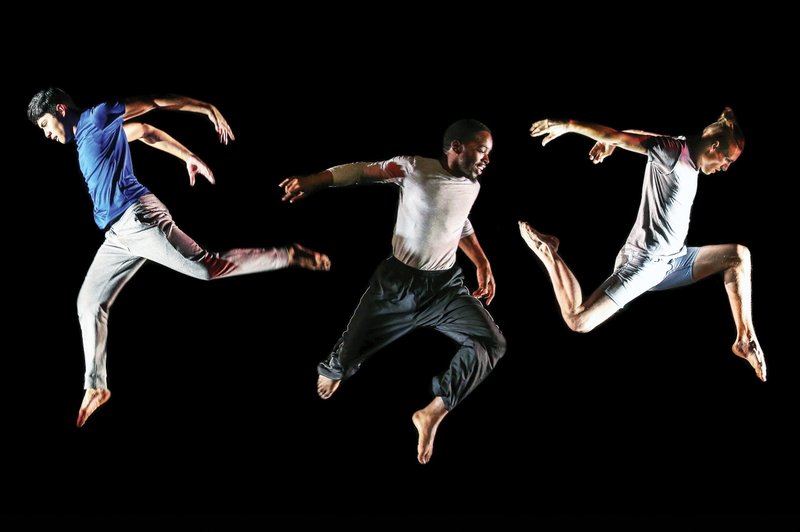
<point x="421" y="285"/>
<point x="655" y="256"/>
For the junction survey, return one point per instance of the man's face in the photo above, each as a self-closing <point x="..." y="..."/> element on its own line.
<point x="474" y="155"/>
<point x="54" y="129"/>
<point x="715" y="159"/>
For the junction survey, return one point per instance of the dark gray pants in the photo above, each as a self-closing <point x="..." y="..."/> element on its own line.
<point x="400" y="299"/>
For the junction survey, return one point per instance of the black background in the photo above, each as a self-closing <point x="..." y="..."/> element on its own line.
<point x="214" y="411"/>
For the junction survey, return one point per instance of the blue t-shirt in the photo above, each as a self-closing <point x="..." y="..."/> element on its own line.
<point x="105" y="161"/>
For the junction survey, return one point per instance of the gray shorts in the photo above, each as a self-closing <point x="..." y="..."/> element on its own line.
<point x="635" y="274"/>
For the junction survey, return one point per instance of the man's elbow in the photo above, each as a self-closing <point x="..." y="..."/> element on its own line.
<point x="148" y="134"/>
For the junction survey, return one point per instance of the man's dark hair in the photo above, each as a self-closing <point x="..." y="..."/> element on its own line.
<point x="463" y="131"/>
<point x="46" y="101"/>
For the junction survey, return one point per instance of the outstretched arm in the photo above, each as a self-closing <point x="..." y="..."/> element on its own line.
<point x="299" y="187"/>
<point x="140" y="105"/>
<point x="600" y="150"/>
<point x="552" y="129"/>
<point x="162" y="141"/>
<point x="472" y="249"/>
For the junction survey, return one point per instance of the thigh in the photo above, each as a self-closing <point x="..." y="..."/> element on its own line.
<point x="384" y="313"/>
<point x="459" y="315"/>
<point x="680" y="272"/>
<point x="150" y="232"/>
<point x="156" y="226"/>
<point x="714" y="259"/>
<point x="633" y="276"/>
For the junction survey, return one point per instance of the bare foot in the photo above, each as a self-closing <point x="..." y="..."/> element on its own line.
<point x="93" y="399"/>
<point x="326" y="387"/>
<point x="751" y="351"/>
<point x="538" y="242"/>
<point x="427" y="421"/>
<point x="308" y="258"/>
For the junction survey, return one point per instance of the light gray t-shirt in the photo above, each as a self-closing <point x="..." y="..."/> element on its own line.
<point x="670" y="184"/>
<point x="432" y="211"/>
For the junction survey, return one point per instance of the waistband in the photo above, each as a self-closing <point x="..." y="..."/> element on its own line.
<point x="396" y="263"/>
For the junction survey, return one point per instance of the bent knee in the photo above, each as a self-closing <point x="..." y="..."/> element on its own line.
<point x="499" y="346"/>
<point x="495" y="347"/>
<point x="92" y="307"/>
<point x="579" y="323"/>
<point x="205" y="275"/>
<point x="214" y="267"/>
<point x="742" y="254"/>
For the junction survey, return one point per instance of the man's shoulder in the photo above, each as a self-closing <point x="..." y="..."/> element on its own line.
<point x="422" y="165"/>
<point x="665" y="142"/>
<point x="665" y="150"/>
<point x="103" y="114"/>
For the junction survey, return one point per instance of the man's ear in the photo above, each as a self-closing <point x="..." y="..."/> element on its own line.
<point x="456" y="146"/>
<point x="61" y="109"/>
<point x="714" y="146"/>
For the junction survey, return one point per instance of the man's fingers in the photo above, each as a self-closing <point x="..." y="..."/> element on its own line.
<point x="291" y="197"/>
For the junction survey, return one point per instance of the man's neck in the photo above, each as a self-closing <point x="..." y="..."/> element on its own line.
<point x="71" y="122"/>
<point x="695" y="145"/>
<point x="450" y="168"/>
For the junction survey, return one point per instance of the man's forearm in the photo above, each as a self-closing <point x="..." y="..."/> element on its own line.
<point x="473" y="250"/>
<point x="593" y="131"/>
<point x="606" y="135"/>
<point x="346" y="174"/>
<point x="174" y="102"/>
<point x="140" y="105"/>
<point x="162" y="141"/>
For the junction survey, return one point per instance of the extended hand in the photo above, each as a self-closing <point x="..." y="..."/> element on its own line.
<point x="486" y="286"/>
<point x="551" y="128"/>
<point x="295" y="188"/>
<point x="220" y="125"/>
<point x="195" y="166"/>
<point x="600" y="151"/>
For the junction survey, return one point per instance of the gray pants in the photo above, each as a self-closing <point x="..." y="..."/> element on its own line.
<point x="145" y="232"/>
<point x="400" y="299"/>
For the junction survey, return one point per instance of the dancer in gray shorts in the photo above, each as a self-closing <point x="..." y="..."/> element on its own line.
<point x="654" y="256"/>
<point x="138" y="227"/>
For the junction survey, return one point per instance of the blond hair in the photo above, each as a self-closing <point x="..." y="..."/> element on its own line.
<point x="726" y="129"/>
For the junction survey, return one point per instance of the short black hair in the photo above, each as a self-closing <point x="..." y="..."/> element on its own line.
<point x="47" y="101"/>
<point x="463" y="130"/>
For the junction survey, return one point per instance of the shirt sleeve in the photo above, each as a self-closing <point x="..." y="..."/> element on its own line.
<point x="392" y="171"/>
<point x="467" y="230"/>
<point x="105" y="114"/>
<point x="664" y="151"/>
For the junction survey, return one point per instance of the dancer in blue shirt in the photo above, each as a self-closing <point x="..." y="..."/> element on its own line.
<point x="138" y="227"/>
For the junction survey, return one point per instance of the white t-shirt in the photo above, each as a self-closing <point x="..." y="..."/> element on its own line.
<point x="670" y="184"/>
<point x="432" y="211"/>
